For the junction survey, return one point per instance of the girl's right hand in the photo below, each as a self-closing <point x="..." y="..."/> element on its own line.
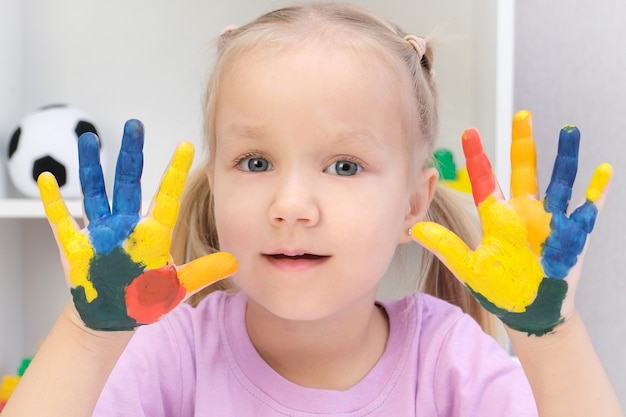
<point x="119" y="267"/>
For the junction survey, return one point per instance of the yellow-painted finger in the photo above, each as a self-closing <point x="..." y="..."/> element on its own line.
<point x="75" y="245"/>
<point x="446" y="245"/>
<point x="599" y="181"/>
<point x="523" y="157"/>
<point x="207" y="270"/>
<point x="55" y="208"/>
<point x="167" y="199"/>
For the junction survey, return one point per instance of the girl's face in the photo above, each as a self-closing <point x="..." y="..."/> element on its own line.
<point x="311" y="179"/>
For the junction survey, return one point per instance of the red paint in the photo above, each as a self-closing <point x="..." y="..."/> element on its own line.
<point x="478" y="166"/>
<point x="153" y="293"/>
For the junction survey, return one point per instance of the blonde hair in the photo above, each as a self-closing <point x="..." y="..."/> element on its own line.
<point x="362" y="32"/>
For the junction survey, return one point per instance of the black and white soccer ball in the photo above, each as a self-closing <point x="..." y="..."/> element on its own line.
<point x="47" y="140"/>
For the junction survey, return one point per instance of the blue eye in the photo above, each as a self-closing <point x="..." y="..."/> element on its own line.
<point x="254" y="164"/>
<point x="344" y="168"/>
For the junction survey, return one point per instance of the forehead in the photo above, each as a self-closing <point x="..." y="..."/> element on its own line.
<point x="336" y="68"/>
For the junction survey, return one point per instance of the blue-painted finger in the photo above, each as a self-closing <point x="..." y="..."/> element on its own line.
<point x="559" y="190"/>
<point x="561" y="249"/>
<point x="91" y="178"/>
<point x="127" y="188"/>
<point x="585" y="216"/>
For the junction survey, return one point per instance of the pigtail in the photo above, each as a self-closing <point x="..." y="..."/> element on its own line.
<point x="451" y="210"/>
<point x="195" y="234"/>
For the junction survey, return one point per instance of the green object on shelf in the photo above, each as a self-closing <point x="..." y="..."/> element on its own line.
<point x="444" y="162"/>
<point x="23" y="366"/>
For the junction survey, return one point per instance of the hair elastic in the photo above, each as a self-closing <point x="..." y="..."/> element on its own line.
<point x="229" y="29"/>
<point x="419" y="44"/>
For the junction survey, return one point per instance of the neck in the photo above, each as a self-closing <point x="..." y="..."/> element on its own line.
<point x="334" y="352"/>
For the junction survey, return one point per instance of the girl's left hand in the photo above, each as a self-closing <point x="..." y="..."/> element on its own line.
<point x="527" y="266"/>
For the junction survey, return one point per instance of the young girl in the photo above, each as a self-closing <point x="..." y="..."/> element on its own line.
<point x="320" y="121"/>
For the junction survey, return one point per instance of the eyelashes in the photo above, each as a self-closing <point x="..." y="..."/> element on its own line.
<point x="253" y="162"/>
<point x="340" y="165"/>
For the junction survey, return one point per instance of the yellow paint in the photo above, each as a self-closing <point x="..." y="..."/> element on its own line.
<point x="599" y="181"/>
<point x="168" y="197"/>
<point x="523" y="157"/>
<point x="206" y="270"/>
<point x="537" y="221"/>
<point x="149" y="244"/>
<point x="76" y="245"/>
<point x="503" y="268"/>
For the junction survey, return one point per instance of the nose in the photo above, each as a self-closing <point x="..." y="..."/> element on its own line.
<point x="294" y="203"/>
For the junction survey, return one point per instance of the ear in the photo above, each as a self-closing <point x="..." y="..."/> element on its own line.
<point x="419" y="201"/>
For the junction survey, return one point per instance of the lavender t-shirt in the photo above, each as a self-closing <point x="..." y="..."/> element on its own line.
<point x="200" y="362"/>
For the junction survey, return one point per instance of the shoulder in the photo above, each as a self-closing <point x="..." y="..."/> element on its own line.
<point x="457" y="365"/>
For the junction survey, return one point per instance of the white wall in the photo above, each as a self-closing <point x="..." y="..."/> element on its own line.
<point x="149" y="60"/>
<point x="571" y="68"/>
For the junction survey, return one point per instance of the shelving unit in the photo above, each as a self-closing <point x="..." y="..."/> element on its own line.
<point x="23" y="208"/>
<point x="117" y="60"/>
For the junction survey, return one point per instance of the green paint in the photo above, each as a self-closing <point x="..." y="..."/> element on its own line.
<point x="541" y="317"/>
<point x="110" y="273"/>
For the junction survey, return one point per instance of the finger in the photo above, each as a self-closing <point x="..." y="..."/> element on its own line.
<point x="207" y="270"/>
<point x="91" y="178"/>
<point x="478" y="167"/>
<point x="167" y="199"/>
<point x="447" y="246"/>
<point x="523" y="157"/>
<point x="63" y="225"/>
<point x="559" y="190"/>
<point x="127" y="188"/>
<point x="585" y="215"/>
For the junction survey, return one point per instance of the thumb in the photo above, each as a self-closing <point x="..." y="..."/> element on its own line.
<point x="206" y="270"/>
<point x="444" y="244"/>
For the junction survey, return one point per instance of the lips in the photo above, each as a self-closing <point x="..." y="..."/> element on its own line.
<point x="306" y="256"/>
<point x="295" y="262"/>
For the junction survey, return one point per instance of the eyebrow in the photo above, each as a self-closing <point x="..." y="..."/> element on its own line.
<point x="343" y="137"/>
<point x="362" y="138"/>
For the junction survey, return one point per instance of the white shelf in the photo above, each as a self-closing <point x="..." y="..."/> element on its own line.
<point x="27" y="208"/>
<point x="32" y="208"/>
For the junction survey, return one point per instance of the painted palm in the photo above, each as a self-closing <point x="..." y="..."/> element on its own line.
<point x="529" y="246"/>
<point x="119" y="266"/>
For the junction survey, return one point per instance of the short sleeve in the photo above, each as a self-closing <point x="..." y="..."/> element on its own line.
<point x="474" y="376"/>
<point x="149" y="378"/>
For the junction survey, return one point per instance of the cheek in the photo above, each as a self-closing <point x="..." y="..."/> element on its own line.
<point x="237" y="215"/>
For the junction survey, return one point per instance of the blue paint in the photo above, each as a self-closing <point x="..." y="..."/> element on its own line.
<point x="91" y="177"/>
<point x="568" y="235"/>
<point x="109" y="230"/>
<point x="559" y="190"/>
<point x="127" y="187"/>
<point x="561" y="249"/>
<point x="585" y="216"/>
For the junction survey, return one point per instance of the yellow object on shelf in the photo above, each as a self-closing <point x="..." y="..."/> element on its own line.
<point x="461" y="183"/>
<point x="9" y="382"/>
<point x="448" y="174"/>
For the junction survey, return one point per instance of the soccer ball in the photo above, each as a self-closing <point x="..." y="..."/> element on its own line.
<point x="47" y="140"/>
